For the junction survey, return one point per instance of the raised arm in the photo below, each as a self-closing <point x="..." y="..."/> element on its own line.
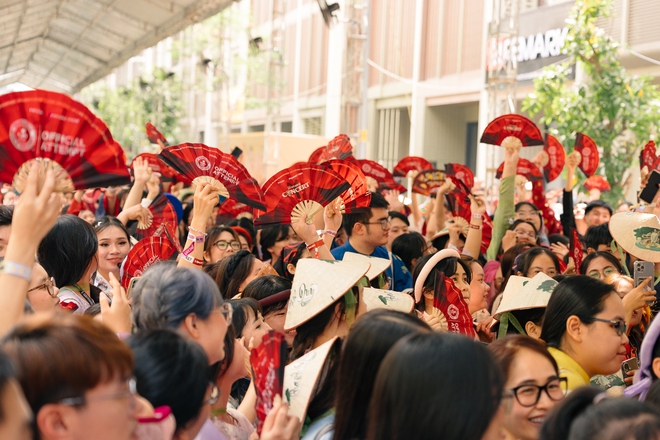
<point x="505" y="207"/>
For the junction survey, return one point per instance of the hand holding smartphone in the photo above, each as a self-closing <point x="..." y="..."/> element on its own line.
<point x="651" y="188"/>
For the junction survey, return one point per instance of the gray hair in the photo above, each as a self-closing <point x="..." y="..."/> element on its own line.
<point x="166" y="294"/>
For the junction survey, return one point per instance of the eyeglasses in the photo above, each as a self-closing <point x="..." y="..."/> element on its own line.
<point x="384" y="223"/>
<point x="529" y="395"/>
<point x="602" y="275"/>
<point x="48" y="285"/>
<point x="224" y="244"/>
<point x="531" y="235"/>
<point x="82" y="400"/>
<point x="215" y="394"/>
<point x="430" y="249"/>
<point x="226" y="310"/>
<point x="619" y="325"/>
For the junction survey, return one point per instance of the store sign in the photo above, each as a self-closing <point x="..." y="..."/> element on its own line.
<point x="521" y="49"/>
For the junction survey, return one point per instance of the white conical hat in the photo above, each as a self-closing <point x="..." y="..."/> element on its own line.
<point x="386" y="299"/>
<point x="300" y="378"/>
<point x="638" y="234"/>
<point x="317" y="284"/>
<point x="378" y="265"/>
<point x="523" y="293"/>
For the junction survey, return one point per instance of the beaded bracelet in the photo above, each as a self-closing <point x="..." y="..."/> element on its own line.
<point x="190" y="228"/>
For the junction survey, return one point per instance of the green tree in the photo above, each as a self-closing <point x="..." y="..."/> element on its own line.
<point x="154" y="98"/>
<point x="620" y="111"/>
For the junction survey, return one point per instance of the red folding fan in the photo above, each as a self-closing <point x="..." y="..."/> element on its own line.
<point x="162" y="212"/>
<point x="379" y="175"/>
<point x="459" y="203"/>
<point x="143" y="255"/>
<point x="298" y="190"/>
<point x="648" y="158"/>
<point x="42" y="124"/>
<point x="554" y="158"/>
<point x="268" y="360"/>
<point x="315" y="157"/>
<point x="201" y="163"/>
<point x="460" y="172"/>
<point x="233" y="208"/>
<point x="338" y="148"/>
<point x="155" y="136"/>
<point x="525" y="168"/>
<point x="411" y="163"/>
<point x="451" y="308"/>
<point x="597" y="182"/>
<point x="156" y="165"/>
<point x="511" y="125"/>
<point x="427" y="181"/>
<point x="590" y="158"/>
<point x="358" y="195"/>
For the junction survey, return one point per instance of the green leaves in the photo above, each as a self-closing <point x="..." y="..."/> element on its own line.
<point x="618" y="110"/>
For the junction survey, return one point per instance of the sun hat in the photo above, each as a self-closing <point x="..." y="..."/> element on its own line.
<point x="638" y="234"/>
<point x="386" y="299"/>
<point x="317" y="284"/>
<point x="522" y="293"/>
<point x="301" y="377"/>
<point x="378" y="265"/>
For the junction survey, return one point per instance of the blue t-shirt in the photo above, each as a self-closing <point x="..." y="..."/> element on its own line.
<point x="401" y="279"/>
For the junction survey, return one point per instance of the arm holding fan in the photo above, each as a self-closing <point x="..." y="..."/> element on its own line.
<point x="205" y="199"/>
<point x="473" y="240"/>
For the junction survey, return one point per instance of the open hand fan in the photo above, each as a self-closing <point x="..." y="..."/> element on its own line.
<point x="162" y="212"/>
<point x="357" y="196"/>
<point x="49" y="125"/>
<point x="515" y="126"/>
<point x="298" y="190"/>
<point x="155" y="136"/>
<point x="315" y="157"/>
<point x="338" y="148"/>
<point x="268" y="360"/>
<point x="460" y="172"/>
<point x="145" y="254"/>
<point x="553" y="158"/>
<point x="647" y="157"/>
<point x="201" y="163"/>
<point x="427" y="181"/>
<point x="378" y="176"/>
<point x="590" y="158"/>
<point x="450" y="307"/>
<point x="597" y="182"/>
<point x="525" y="168"/>
<point x="156" y="165"/>
<point x="459" y="202"/>
<point x="233" y="208"/>
<point x="411" y="163"/>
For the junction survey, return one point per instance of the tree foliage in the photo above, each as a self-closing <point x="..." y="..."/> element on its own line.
<point x="620" y="111"/>
<point x="155" y="98"/>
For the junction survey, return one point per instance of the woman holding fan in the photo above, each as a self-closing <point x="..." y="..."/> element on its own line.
<point x="114" y="244"/>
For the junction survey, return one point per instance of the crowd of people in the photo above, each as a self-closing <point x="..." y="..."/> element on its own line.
<point x="394" y="321"/>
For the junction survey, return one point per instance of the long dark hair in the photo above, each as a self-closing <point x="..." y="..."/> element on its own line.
<point x="614" y="261"/>
<point x="68" y="249"/>
<point x="309" y="331"/>
<point x="229" y="273"/>
<point x="448" y="266"/>
<point x="265" y="286"/>
<point x="586" y="414"/>
<point x="409" y="247"/>
<point x="421" y="392"/>
<point x="107" y="221"/>
<point x="578" y="295"/>
<point x="525" y="260"/>
<point x="365" y="347"/>
<point x="270" y="236"/>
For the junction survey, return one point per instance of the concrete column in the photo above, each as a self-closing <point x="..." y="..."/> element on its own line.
<point x="417" y="104"/>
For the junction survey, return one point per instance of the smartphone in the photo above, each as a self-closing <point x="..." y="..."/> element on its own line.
<point x="643" y="270"/>
<point x="131" y="284"/>
<point x="651" y="188"/>
<point x="629" y="365"/>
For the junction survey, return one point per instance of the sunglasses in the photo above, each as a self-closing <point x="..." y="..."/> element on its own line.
<point x="48" y="285"/>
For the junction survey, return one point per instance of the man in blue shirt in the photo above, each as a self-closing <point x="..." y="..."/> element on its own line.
<point x="367" y="231"/>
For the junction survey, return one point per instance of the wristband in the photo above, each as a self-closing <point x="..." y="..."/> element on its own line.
<point x="330" y="232"/>
<point x="477" y="216"/>
<point x="190" y="228"/>
<point x="192" y="260"/>
<point x="16" y="269"/>
<point x="315" y="247"/>
<point x="196" y="238"/>
<point x="475" y="226"/>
